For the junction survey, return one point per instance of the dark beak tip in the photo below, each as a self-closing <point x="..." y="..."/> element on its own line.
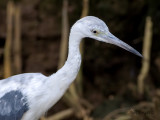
<point x="140" y="55"/>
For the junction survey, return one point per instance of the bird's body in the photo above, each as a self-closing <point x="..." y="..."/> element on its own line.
<point x="28" y="96"/>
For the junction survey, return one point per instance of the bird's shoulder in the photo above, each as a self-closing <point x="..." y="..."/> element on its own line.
<point x="24" y="77"/>
<point x="21" y="81"/>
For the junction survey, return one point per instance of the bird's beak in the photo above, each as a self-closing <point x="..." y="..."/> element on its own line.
<point x="110" y="38"/>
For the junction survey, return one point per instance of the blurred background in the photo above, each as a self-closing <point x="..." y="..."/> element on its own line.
<point x="112" y="84"/>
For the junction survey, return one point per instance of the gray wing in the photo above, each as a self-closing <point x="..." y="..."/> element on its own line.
<point x="13" y="105"/>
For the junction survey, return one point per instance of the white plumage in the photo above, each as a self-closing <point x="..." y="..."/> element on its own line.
<point x="40" y="92"/>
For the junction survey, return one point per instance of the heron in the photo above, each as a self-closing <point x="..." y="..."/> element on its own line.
<point x="28" y="96"/>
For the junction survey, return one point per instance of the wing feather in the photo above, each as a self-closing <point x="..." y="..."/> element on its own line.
<point x="13" y="105"/>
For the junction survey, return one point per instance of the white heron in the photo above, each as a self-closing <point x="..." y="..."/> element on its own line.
<point x="28" y="96"/>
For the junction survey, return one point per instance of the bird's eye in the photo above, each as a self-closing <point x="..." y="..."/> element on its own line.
<point x="94" y="31"/>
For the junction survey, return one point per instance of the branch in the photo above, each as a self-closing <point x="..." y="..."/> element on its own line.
<point x="146" y="54"/>
<point x="7" y="50"/>
<point x="64" y="39"/>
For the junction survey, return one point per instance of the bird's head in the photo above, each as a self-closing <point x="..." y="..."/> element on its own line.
<point x="95" y="28"/>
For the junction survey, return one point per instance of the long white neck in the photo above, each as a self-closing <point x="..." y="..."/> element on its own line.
<point x="73" y="52"/>
<point x="66" y="75"/>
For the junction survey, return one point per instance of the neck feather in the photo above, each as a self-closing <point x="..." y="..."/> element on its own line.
<point x="60" y="81"/>
<point x="73" y="52"/>
<point x="69" y="71"/>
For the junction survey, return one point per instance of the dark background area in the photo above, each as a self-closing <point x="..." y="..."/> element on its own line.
<point x="110" y="73"/>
